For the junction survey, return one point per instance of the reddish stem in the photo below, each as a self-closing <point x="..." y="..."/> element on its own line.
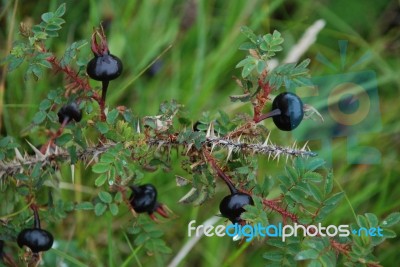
<point x="71" y="74"/>
<point x="221" y="174"/>
<point x="262" y="97"/>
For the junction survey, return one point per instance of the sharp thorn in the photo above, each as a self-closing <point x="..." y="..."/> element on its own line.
<point x="188" y="149"/>
<point x="18" y="155"/>
<point x="37" y="152"/>
<point x="230" y="149"/>
<point x="305" y="146"/>
<point x="212" y="147"/>
<point x="73" y="173"/>
<point x="210" y="131"/>
<point x="138" y="127"/>
<point x="267" y="140"/>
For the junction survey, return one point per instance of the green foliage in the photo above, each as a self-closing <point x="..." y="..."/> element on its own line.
<point x="32" y="49"/>
<point x="291" y="75"/>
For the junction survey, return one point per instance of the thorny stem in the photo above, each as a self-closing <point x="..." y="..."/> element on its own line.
<point x="262" y="96"/>
<point x="71" y="74"/>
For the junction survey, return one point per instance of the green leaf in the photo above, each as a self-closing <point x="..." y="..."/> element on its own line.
<point x="372" y="219"/>
<point x="101" y="167"/>
<point x="102" y="127"/>
<point x="41" y="36"/>
<point x="100" y="208"/>
<point x="63" y="139"/>
<point x="328" y="183"/>
<point x="100" y="180"/>
<point x="112" y="116"/>
<point x="39" y="117"/>
<point x="248" y="69"/>
<point x="44" y="105"/>
<point x="387" y="233"/>
<point x="46" y="17"/>
<point x="118" y="197"/>
<point x="60" y="10"/>
<point x="249" y="34"/>
<point x="391" y="220"/>
<point x="114" y="209"/>
<point x="273" y="256"/>
<point x="248" y="60"/>
<point x="105" y="197"/>
<point x="315" y="192"/>
<point x="84" y="206"/>
<point x="333" y="200"/>
<point x="108" y="157"/>
<point x="247" y="46"/>
<point x="314" y="164"/>
<point x="306" y="255"/>
<point x="53" y="27"/>
<point x="313" y="177"/>
<point x="261" y="66"/>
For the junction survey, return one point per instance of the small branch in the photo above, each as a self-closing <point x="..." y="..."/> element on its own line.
<point x="221" y="174"/>
<point x="16" y="165"/>
<point x="71" y="75"/>
<point x="262" y="96"/>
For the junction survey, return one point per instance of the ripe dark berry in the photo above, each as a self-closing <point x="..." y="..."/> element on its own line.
<point x="287" y="111"/>
<point x="144" y="199"/>
<point x="232" y="205"/>
<point x="104" y="68"/>
<point x="36" y="239"/>
<point x="69" y="112"/>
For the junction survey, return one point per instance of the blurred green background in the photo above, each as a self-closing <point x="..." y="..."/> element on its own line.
<point x="197" y="71"/>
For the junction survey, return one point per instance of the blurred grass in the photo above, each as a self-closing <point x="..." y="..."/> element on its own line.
<point x="197" y="71"/>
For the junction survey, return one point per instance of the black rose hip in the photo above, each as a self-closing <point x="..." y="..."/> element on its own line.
<point x="290" y="109"/>
<point x="232" y="206"/>
<point x="287" y="111"/>
<point x="36" y="239"/>
<point x="144" y="199"/>
<point x="103" y="66"/>
<point x="69" y="112"/>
